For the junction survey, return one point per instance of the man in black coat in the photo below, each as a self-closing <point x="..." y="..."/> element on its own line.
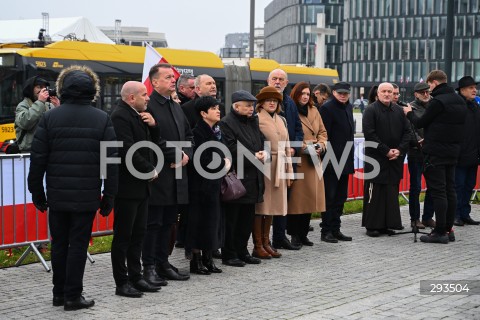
<point x="132" y="124"/>
<point x="171" y="187"/>
<point x="443" y="123"/>
<point x="387" y="136"/>
<point x="205" y="86"/>
<point x="185" y="88"/>
<point x="466" y="169"/>
<point x="337" y="116"/>
<point x="67" y="148"/>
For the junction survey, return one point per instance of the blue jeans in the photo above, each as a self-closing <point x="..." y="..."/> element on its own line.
<point x="416" y="170"/>
<point x="465" y="178"/>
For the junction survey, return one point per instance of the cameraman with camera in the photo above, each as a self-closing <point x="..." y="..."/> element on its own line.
<point x="37" y="100"/>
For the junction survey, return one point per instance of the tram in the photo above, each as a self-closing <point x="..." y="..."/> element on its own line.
<point x="116" y="64"/>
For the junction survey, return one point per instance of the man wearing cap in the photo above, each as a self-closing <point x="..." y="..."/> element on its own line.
<point x="443" y="122"/>
<point x="337" y="116"/>
<point x="415" y="163"/>
<point x="466" y="169"/>
<point x="279" y="79"/>
<point x="241" y="126"/>
<point x="387" y="136"/>
<point x="31" y="109"/>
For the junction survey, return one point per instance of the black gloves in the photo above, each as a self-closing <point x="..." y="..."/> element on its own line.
<point x="40" y="201"/>
<point x="106" y="205"/>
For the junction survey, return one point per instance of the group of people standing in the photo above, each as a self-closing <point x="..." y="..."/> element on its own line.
<point x="292" y="155"/>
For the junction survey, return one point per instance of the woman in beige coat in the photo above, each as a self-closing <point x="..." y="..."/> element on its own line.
<point x="308" y="192"/>
<point x="273" y="127"/>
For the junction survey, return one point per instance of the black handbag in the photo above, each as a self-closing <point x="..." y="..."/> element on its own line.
<point x="13" y="148"/>
<point x="232" y="188"/>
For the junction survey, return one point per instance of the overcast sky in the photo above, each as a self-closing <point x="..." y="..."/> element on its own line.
<point x="187" y="24"/>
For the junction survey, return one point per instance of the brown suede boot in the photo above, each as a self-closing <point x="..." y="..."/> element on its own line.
<point x="267" y="223"/>
<point x="258" y="250"/>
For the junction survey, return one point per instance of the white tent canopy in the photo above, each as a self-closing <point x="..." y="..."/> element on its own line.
<point x="59" y="28"/>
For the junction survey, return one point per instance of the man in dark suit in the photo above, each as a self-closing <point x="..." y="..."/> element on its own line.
<point x="337" y="116"/>
<point x="171" y="187"/>
<point x="132" y="124"/>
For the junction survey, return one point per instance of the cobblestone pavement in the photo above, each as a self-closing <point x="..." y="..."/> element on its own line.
<point x="369" y="278"/>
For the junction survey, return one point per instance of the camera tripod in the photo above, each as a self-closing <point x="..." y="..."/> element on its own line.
<point x="414" y="230"/>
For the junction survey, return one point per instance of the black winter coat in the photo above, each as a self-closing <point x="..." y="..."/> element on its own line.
<point x="338" y="120"/>
<point x="470" y="147"/>
<point x="167" y="190"/>
<point x="387" y="126"/>
<point x="205" y="223"/>
<point x="66" y="147"/>
<point x="130" y="129"/>
<point x="443" y="123"/>
<point x="237" y="128"/>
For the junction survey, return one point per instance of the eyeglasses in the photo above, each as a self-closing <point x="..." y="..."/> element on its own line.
<point x="423" y="92"/>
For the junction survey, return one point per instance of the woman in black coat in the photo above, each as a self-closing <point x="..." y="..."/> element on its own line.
<point x="205" y="228"/>
<point x="240" y="126"/>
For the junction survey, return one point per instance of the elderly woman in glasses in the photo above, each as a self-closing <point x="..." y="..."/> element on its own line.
<point x="274" y="129"/>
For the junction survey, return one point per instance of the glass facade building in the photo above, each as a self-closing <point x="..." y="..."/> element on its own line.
<point x="287" y="23"/>
<point x="401" y="41"/>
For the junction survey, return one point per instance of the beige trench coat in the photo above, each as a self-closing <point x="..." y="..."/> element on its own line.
<point x="308" y="193"/>
<point x="275" y="195"/>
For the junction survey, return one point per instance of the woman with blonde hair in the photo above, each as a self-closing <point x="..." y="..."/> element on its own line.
<point x="308" y="192"/>
<point x="274" y="129"/>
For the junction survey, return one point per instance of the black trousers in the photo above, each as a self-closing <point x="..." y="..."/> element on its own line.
<point x="239" y="219"/>
<point x="298" y="224"/>
<point x="129" y="229"/>
<point x="336" y="192"/>
<point x="70" y="233"/>
<point x="441" y="186"/>
<point x="156" y="245"/>
<point x="280" y="225"/>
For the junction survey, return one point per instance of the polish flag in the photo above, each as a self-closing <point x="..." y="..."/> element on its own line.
<point x="152" y="57"/>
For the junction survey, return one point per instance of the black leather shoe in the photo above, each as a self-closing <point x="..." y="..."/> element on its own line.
<point x="434" y="238"/>
<point x="128" y="291"/>
<point x="178" y="271"/>
<point x="77" y="304"/>
<point x="285" y="244"/>
<point x="296" y="241"/>
<point x="165" y="271"/>
<point x="209" y="263"/>
<point x="58" y="301"/>
<point x="388" y="232"/>
<point x="458" y="223"/>
<point x="234" y="262"/>
<point x="151" y="276"/>
<point x="373" y="233"/>
<point x="250" y="260"/>
<point x="470" y="221"/>
<point x="340" y="236"/>
<point x="306" y="241"/>
<point x="328" y="237"/>
<point x="144" y="286"/>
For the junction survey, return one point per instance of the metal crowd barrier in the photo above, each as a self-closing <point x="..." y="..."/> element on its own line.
<point x="21" y="224"/>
